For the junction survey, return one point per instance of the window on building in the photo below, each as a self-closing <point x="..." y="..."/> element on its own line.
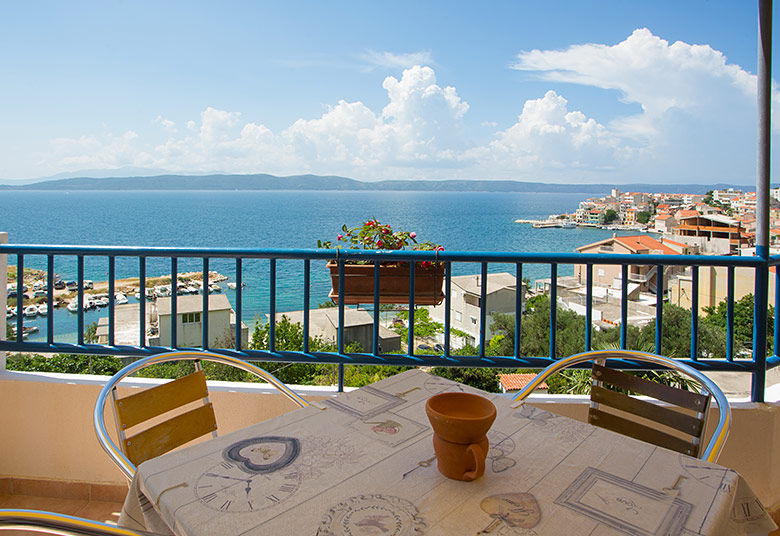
<point x="474" y="320"/>
<point x="458" y="316"/>
<point x="190" y="318"/>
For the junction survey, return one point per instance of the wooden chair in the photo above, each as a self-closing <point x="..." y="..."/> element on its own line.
<point x="677" y="424"/>
<point x="39" y="521"/>
<point x="156" y="420"/>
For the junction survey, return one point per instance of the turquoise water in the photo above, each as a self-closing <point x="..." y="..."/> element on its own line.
<point x="459" y="221"/>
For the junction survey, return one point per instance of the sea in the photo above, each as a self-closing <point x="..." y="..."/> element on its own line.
<point x="460" y="221"/>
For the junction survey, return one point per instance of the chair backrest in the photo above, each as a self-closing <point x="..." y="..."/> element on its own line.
<point x="681" y="428"/>
<point x="170" y="414"/>
<point x="157" y="403"/>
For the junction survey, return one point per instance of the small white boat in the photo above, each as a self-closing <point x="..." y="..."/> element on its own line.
<point x="43" y="309"/>
<point x="73" y="306"/>
<point x="104" y="301"/>
<point x="10" y="312"/>
<point x="162" y="291"/>
<point x="214" y="288"/>
<point x="121" y="299"/>
<point x="31" y="311"/>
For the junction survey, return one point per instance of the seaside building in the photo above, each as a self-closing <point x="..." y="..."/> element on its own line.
<point x="466" y="299"/>
<point x="645" y="277"/>
<point x="725" y="197"/>
<point x="189" y="324"/>
<point x="664" y="223"/>
<point x="713" y="228"/>
<point x="358" y="327"/>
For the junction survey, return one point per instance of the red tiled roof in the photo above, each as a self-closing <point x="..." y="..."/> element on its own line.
<point x="639" y="242"/>
<point x="687" y="213"/>
<point x="666" y="241"/>
<point x="515" y="382"/>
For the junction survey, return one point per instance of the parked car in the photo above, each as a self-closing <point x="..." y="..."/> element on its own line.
<point x="424" y="347"/>
<point x="438" y="347"/>
<point x="59" y="284"/>
<point x="72" y="285"/>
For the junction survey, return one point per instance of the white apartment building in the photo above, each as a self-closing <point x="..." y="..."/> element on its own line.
<point x="465" y="303"/>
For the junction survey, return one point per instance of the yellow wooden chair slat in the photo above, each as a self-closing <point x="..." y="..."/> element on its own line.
<point x="149" y="403"/>
<point x="170" y="434"/>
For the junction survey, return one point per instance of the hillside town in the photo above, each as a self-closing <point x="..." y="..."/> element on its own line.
<point x="720" y="222"/>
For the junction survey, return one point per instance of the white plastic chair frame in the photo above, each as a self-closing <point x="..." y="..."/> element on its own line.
<point x="721" y="432"/>
<point x="115" y="452"/>
<point x="53" y="523"/>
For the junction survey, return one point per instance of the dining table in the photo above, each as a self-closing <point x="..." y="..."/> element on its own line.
<point x="363" y="463"/>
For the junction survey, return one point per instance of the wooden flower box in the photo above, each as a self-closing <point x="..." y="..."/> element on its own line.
<point x="393" y="283"/>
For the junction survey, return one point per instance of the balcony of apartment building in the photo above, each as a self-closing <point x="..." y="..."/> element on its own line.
<point x="49" y="456"/>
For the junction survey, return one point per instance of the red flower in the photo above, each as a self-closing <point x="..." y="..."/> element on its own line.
<point x="379" y="244"/>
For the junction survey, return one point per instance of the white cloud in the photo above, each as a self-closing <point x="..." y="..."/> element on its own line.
<point x="167" y="124"/>
<point x="547" y="137"/>
<point x="697" y="123"/>
<point x="392" y="60"/>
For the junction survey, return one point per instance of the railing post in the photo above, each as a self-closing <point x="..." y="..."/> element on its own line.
<point x="762" y="195"/>
<point x="3" y="295"/>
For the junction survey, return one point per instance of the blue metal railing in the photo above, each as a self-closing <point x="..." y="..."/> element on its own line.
<point x="756" y="366"/>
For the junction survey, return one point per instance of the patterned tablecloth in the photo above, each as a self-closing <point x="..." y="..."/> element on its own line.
<point x="365" y="466"/>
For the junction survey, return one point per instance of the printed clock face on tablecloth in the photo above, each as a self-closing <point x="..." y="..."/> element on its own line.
<point x="255" y="474"/>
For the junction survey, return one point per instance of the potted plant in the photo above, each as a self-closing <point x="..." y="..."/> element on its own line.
<point x="393" y="275"/>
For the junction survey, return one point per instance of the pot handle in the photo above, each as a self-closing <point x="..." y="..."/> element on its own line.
<point x="479" y="462"/>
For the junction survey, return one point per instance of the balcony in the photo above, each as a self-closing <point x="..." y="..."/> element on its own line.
<point x="54" y="410"/>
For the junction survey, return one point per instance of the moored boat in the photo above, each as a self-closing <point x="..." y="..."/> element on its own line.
<point x="31" y="311"/>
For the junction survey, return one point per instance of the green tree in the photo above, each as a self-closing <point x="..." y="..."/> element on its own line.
<point x="743" y="321"/>
<point x="570" y="330"/>
<point x="676" y="335"/>
<point x="643" y="217"/>
<point x="424" y="326"/>
<point x="480" y="378"/>
<point x="66" y="363"/>
<point x="503" y="341"/>
<point x="90" y="333"/>
<point x="610" y="215"/>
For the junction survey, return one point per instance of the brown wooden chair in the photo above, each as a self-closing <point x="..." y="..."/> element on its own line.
<point x="154" y="421"/>
<point x="677" y="422"/>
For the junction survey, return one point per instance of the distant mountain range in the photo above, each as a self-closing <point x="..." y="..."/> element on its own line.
<point x="316" y="182"/>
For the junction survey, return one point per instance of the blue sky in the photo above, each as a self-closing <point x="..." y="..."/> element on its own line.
<point x="612" y="91"/>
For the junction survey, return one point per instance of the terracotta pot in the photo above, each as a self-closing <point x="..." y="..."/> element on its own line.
<point x="393" y="284"/>
<point x="460" y="424"/>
